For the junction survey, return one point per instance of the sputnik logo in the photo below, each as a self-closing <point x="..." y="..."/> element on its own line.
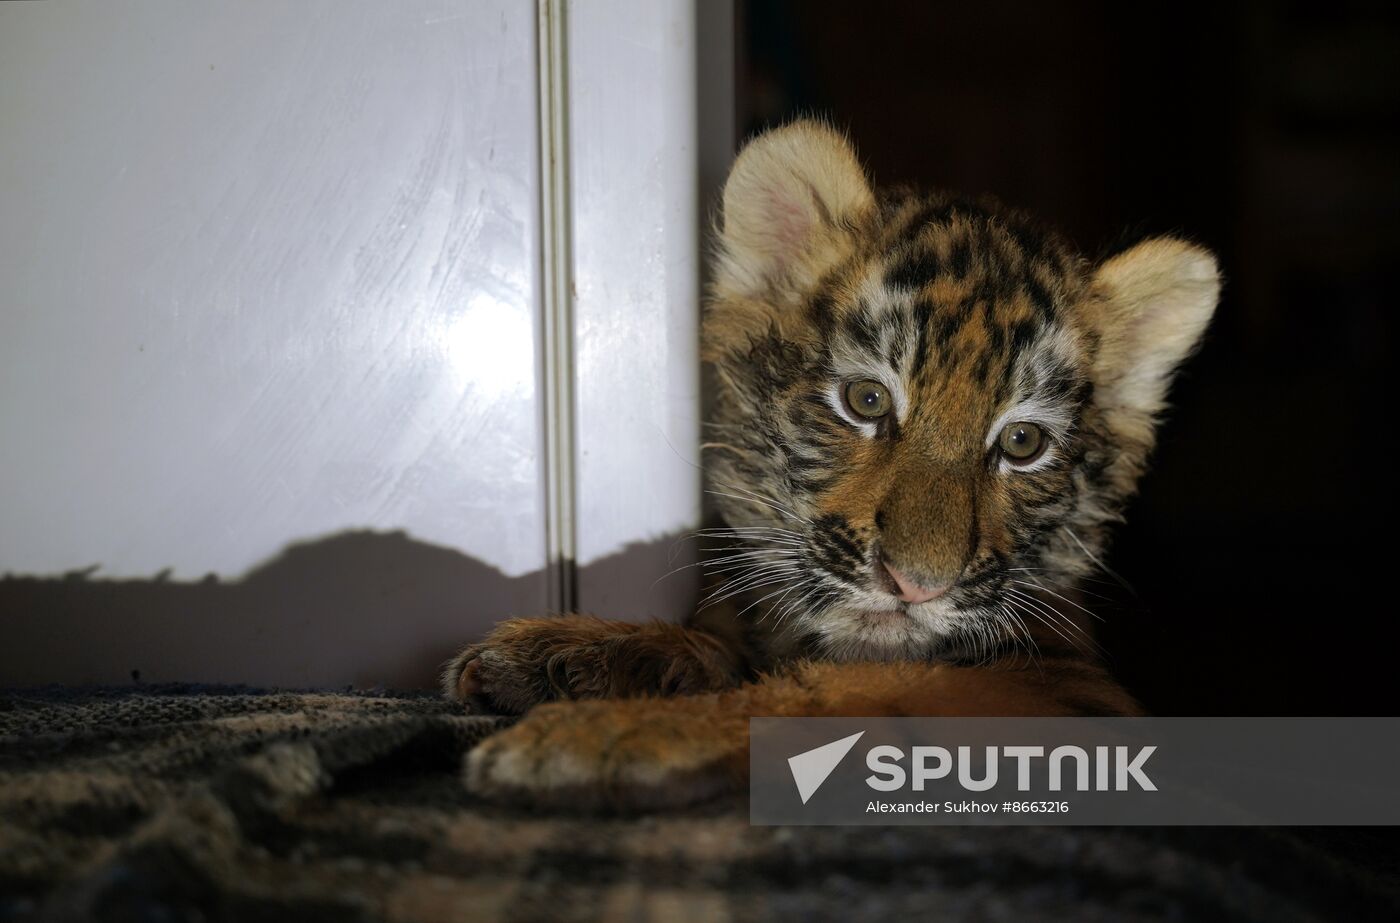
<point x="811" y="768"/>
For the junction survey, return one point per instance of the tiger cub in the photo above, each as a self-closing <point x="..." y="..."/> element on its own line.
<point x="928" y="412"/>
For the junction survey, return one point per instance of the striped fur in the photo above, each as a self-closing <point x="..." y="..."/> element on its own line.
<point x="970" y="317"/>
<point x="973" y="316"/>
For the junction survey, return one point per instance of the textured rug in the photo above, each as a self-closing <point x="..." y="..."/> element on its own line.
<point x="192" y="803"/>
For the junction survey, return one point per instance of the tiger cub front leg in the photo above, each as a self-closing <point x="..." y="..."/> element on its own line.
<point x="523" y="662"/>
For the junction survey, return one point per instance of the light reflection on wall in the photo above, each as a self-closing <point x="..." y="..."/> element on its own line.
<point x="269" y="280"/>
<point x="490" y="347"/>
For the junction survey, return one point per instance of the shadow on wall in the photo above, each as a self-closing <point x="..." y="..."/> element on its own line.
<point x="357" y="608"/>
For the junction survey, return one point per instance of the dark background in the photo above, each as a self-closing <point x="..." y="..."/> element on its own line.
<point x="1259" y="551"/>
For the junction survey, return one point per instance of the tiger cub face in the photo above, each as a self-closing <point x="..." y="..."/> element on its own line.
<point x="927" y="410"/>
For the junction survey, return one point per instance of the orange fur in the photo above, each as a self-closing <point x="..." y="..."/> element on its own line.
<point x="973" y="315"/>
<point x="658" y="752"/>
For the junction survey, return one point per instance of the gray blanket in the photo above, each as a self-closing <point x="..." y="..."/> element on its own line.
<point x="192" y="803"/>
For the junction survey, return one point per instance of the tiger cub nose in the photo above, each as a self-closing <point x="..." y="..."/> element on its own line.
<point x="908" y="590"/>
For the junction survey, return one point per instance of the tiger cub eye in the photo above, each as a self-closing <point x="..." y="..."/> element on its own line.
<point x="1021" y="442"/>
<point x="868" y="399"/>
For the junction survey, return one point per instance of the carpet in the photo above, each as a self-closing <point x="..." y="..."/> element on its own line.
<point x="178" y="803"/>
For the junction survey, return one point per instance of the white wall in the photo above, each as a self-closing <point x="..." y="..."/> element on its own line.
<point x="633" y="149"/>
<point x="273" y="275"/>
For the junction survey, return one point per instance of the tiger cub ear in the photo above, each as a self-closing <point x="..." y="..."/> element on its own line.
<point x="788" y="202"/>
<point x="1152" y="306"/>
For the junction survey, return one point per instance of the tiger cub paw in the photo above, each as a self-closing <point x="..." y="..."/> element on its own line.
<point x="616" y="755"/>
<point x="524" y="662"/>
<point x="505" y="678"/>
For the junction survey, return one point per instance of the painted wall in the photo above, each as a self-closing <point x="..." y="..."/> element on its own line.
<point x="272" y="400"/>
